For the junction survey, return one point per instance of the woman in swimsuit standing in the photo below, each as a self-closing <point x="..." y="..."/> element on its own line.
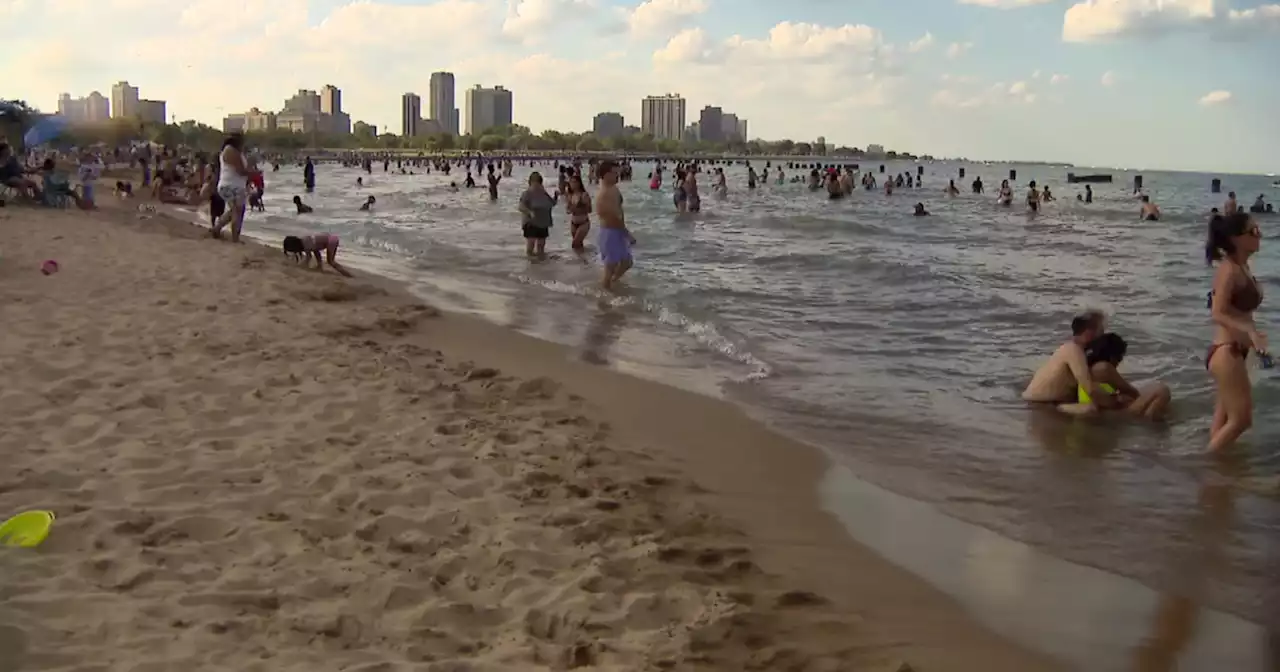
<point x="1232" y="239"/>
<point x="579" y="203"/>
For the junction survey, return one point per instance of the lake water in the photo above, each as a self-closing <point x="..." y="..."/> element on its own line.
<point x="898" y="344"/>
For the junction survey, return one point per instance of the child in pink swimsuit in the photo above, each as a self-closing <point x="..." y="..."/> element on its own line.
<point x="310" y="246"/>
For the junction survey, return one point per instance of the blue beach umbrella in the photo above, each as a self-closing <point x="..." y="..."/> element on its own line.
<point x="44" y="130"/>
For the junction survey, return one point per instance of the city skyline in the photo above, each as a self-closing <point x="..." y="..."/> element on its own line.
<point x="1102" y="82"/>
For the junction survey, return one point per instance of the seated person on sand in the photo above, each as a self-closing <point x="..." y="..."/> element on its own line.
<point x="1104" y="355"/>
<point x="124" y="189"/>
<point x="14" y="176"/>
<point x="57" y="186"/>
<point x="1060" y="380"/>
<point x="309" y="246"/>
<point x="303" y="208"/>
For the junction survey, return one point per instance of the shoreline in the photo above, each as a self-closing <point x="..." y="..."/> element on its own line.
<point x="743" y="470"/>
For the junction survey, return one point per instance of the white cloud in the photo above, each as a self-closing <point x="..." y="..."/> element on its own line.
<point x="653" y="18"/>
<point x="1058" y="79"/>
<point x="1108" y="78"/>
<point x="1035" y="74"/>
<point x="958" y="49"/>
<point x="1215" y="98"/>
<point x="528" y="20"/>
<point x="1096" y="20"/>
<point x="922" y="44"/>
<point x="1018" y="88"/>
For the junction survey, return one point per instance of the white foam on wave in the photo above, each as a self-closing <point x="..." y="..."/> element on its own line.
<point x="705" y="333"/>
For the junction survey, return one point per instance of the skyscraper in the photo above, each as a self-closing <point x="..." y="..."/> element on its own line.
<point x="711" y="124"/>
<point x="331" y="99"/>
<point x="441" y="103"/>
<point x="332" y="118"/>
<point x="410" y="113"/>
<point x="608" y="125"/>
<point x="124" y="100"/>
<point x="663" y="116"/>
<point x="487" y="108"/>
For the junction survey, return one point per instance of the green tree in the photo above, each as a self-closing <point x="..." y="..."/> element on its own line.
<point x="589" y="143"/>
<point x="802" y="149"/>
<point x="488" y="143"/>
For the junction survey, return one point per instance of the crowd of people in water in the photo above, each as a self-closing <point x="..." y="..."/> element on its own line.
<point x="1081" y="377"/>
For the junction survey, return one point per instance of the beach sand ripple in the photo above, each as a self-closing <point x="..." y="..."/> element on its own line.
<point x="257" y="467"/>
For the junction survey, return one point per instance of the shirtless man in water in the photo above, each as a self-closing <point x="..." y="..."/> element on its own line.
<point x="1067" y="371"/>
<point x="615" y="240"/>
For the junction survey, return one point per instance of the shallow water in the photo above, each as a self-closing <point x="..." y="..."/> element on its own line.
<point x="898" y="343"/>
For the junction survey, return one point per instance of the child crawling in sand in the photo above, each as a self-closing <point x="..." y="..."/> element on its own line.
<point x="310" y="246"/>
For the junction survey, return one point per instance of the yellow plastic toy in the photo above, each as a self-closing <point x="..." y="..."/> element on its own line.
<point x="27" y="529"/>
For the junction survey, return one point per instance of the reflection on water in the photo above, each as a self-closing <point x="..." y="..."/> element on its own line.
<point x="1086" y="617"/>
<point x="603" y="331"/>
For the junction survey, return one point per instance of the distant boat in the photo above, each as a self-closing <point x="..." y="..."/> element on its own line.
<point x="1072" y="178"/>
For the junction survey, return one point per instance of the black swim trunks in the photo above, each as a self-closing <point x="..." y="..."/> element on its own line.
<point x="535" y="232"/>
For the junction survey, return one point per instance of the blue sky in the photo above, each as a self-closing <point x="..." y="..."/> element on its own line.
<point x="1189" y="83"/>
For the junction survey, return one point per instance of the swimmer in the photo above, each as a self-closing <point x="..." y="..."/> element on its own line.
<point x="1005" y="197"/>
<point x="953" y="190"/>
<point x="691" y="190"/>
<point x="1150" y="212"/>
<point x="920" y="211"/>
<point x="1059" y="381"/>
<point x="306" y="247"/>
<point x="368" y="205"/>
<point x="303" y="208"/>
<point x="453" y="186"/>
<point x="1230" y="207"/>
<point x="359" y="181"/>
<point x="1046" y="196"/>
<point x="1259" y="206"/>
<point x="1104" y="355"/>
<point x="1033" y="197"/>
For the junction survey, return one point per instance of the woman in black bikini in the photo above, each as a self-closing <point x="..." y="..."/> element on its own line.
<point x="579" y="205"/>
<point x="1233" y="238"/>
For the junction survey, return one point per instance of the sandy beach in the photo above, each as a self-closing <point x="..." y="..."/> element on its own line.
<point x="259" y="467"/>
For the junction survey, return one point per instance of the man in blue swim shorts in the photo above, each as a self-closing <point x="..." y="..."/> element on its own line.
<point x="615" y="240"/>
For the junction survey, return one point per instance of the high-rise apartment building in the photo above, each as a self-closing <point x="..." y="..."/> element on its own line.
<point x="410" y="113"/>
<point x="124" y="100"/>
<point x="332" y="118"/>
<point x="608" y="125"/>
<point x="305" y="101"/>
<point x="742" y="130"/>
<point x="253" y="120"/>
<point x="442" y="107"/>
<point x="663" y="116"/>
<point x="711" y="124"/>
<point x="151" y="112"/>
<point x="330" y="99"/>
<point x="487" y="108"/>
<point x="92" y="109"/>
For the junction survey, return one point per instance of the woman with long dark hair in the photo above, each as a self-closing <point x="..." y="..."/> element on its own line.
<point x="1233" y="238"/>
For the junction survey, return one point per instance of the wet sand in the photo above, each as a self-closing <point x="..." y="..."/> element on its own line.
<point x="257" y="467"/>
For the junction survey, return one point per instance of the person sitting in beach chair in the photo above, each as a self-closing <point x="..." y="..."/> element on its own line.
<point x="57" y="188"/>
<point x="14" y="176"/>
